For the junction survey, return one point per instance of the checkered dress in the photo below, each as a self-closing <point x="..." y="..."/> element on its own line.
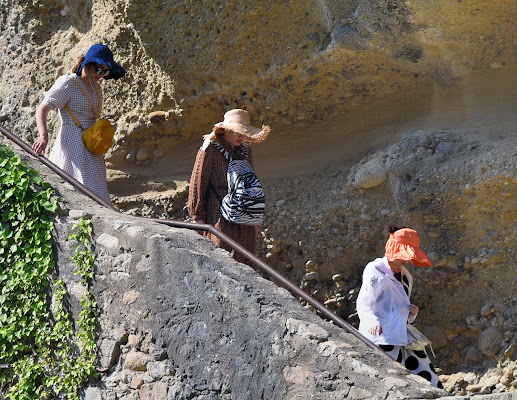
<point x="69" y="152"/>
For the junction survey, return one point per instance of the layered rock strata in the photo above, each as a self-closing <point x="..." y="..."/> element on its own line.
<point x="290" y="64"/>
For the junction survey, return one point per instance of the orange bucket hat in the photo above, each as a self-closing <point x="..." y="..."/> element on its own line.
<point x="403" y="245"/>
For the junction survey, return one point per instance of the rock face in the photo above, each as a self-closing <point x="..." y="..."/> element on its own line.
<point x="287" y="63"/>
<point x="457" y="188"/>
<point x="181" y="319"/>
<point x="292" y="65"/>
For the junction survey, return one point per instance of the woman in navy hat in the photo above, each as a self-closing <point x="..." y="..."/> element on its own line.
<point x="79" y="95"/>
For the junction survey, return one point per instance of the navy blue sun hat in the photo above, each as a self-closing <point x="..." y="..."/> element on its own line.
<point x="101" y="54"/>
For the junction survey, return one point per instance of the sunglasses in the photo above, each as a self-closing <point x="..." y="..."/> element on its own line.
<point x="100" y="71"/>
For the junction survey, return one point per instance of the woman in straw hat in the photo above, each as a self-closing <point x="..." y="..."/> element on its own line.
<point x="383" y="302"/>
<point x="82" y="94"/>
<point x="208" y="183"/>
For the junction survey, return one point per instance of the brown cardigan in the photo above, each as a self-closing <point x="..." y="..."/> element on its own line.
<point x="211" y="166"/>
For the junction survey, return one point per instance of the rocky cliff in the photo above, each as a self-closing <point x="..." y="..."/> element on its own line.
<point x="383" y="112"/>
<point x="181" y="319"/>
<point x="289" y="64"/>
<point x="458" y="189"/>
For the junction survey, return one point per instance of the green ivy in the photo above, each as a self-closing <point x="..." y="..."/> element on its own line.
<point x="83" y="258"/>
<point x="37" y="342"/>
<point x="86" y="338"/>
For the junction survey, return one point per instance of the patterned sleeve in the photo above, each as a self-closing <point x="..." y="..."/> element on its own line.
<point x="59" y="94"/>
<point x="199" y="183"/>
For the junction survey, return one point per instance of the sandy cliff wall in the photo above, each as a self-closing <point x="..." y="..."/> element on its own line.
<point x="289" y="63"/>
<point x="335" y="80"/>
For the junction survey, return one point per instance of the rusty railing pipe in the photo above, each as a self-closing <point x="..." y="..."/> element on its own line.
<point x="288" y="284"/>
<point x="74" y="182"/>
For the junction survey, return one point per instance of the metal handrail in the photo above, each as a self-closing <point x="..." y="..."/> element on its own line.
<point x="288" y="284"/>
<point x="78" y="185"/>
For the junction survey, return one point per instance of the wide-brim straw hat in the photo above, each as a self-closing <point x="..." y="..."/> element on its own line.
<point x="403" y="244"/>
<point x="238" y="120"/>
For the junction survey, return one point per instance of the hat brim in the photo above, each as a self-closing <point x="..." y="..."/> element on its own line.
<point x="253" y="134"/>
<point x="401" y="251"/>
<point x="116" y="71"/>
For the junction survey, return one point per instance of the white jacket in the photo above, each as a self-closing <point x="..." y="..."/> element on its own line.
<point x="383" y="301"/>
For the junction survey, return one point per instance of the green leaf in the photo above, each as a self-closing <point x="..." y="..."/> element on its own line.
<point x="26" y="260"/>
<point x="8" y="193"/>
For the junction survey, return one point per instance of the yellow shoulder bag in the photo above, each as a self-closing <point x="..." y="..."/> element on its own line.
<point x="98" y="138"/>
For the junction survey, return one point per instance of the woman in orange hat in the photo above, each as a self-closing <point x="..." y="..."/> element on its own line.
<point x="383" y="302"/>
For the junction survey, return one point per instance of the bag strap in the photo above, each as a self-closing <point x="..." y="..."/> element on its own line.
<point x="413" y="330"/>
<point x="407" y="274"/>
<point x="432" y="351"/>
<point x="215" y="192"/>
<point x="89" y="101"/>
<point x="226" y="154"/>
<point x="223" y="151"/>
<point x="73" y="117"/>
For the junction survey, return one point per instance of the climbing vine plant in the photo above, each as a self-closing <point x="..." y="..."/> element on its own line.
<point x="42" y="355"/>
